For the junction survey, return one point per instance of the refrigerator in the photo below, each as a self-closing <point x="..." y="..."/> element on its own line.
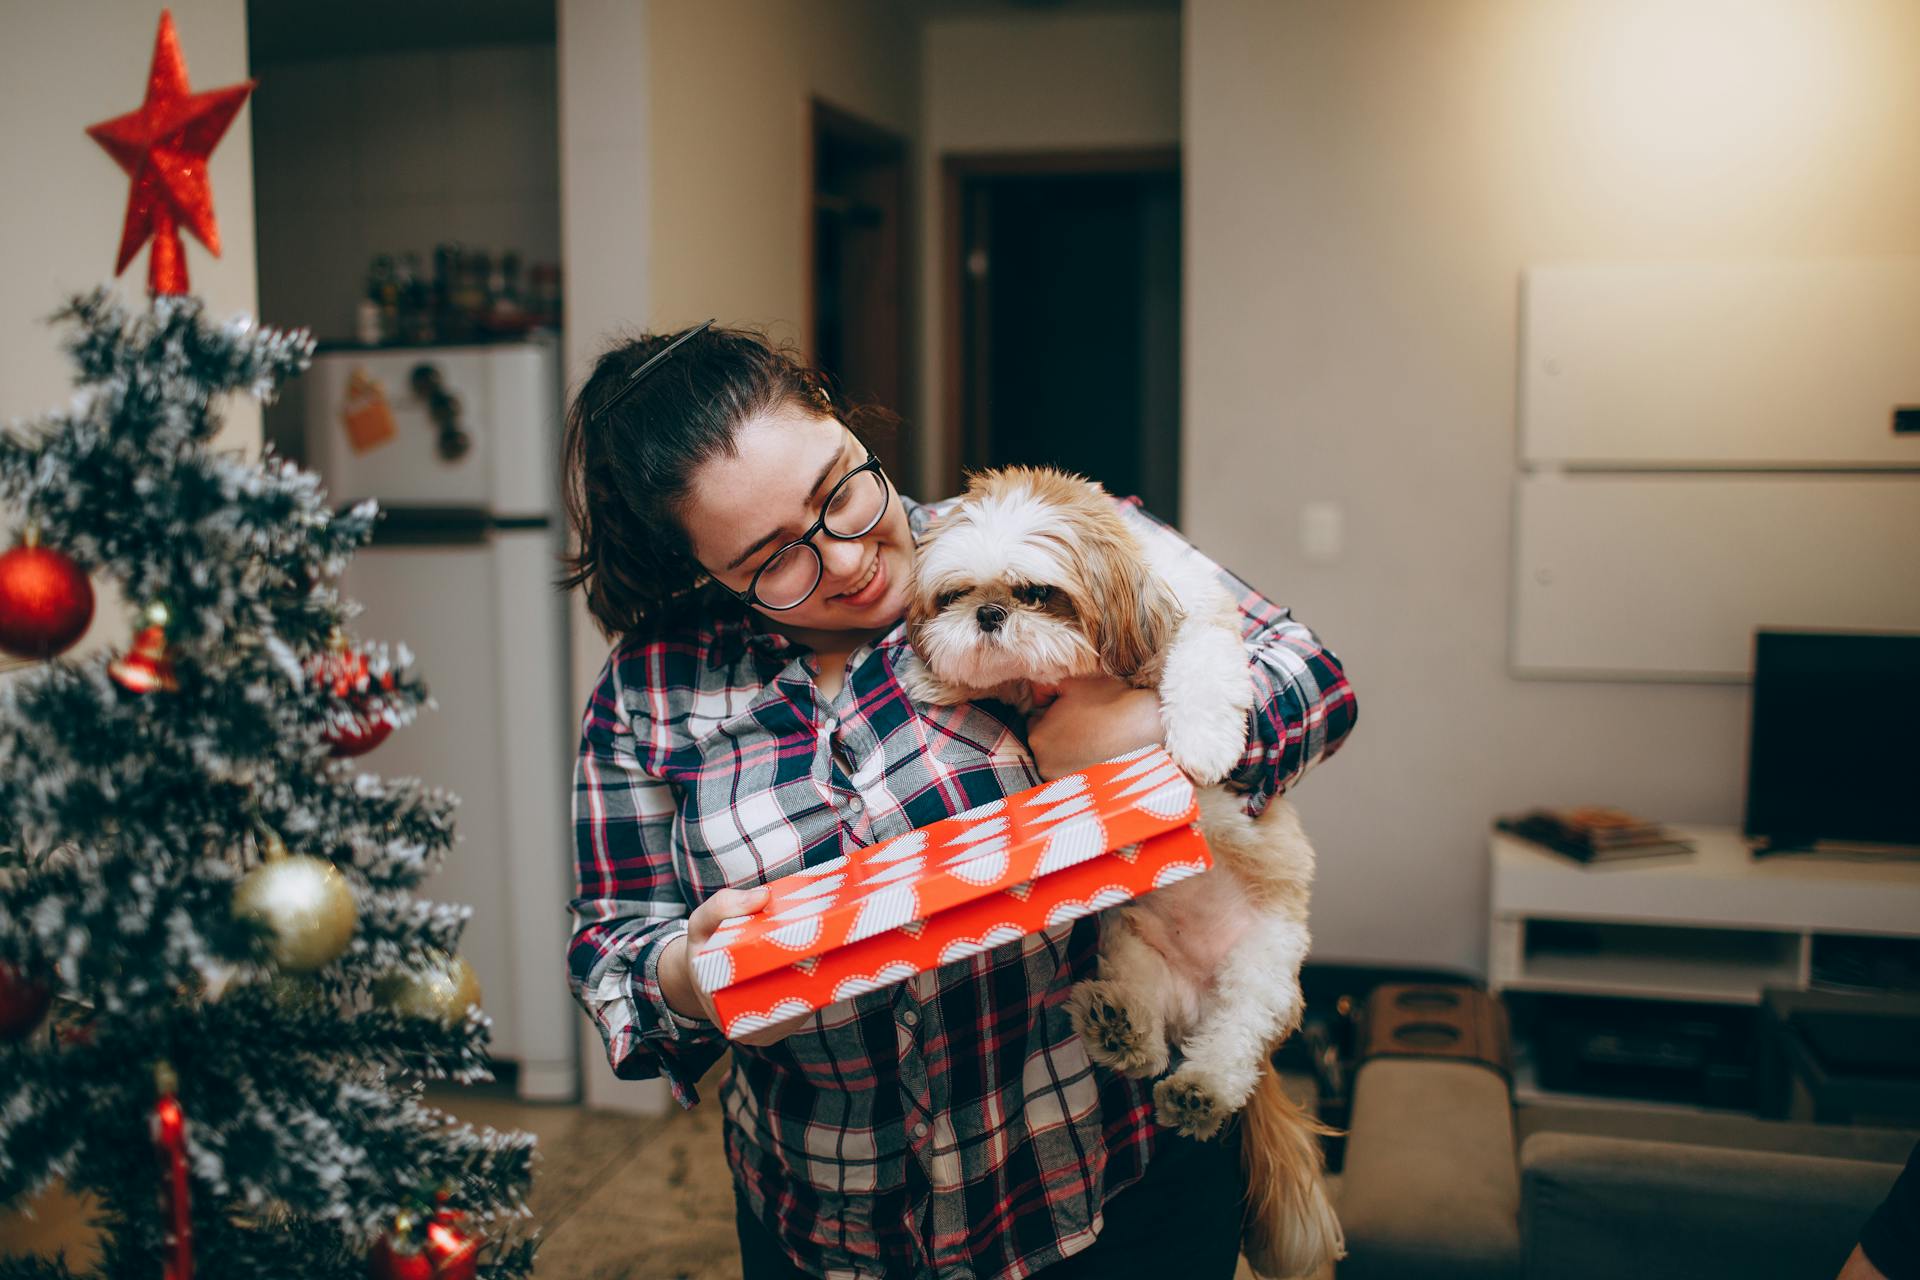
<point x="459" y="445"/>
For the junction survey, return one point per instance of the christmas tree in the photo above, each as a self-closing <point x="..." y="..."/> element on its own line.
<point x="220" y="997"/>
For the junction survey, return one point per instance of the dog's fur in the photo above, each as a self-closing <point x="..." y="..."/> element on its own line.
<point x="1035" y="577"/>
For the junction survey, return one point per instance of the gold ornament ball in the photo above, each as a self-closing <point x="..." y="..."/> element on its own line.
<point x="307" y="908"/>
<point x="440" y="991"/>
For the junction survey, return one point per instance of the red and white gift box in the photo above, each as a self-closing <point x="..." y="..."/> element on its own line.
<point x="989" y="876"/>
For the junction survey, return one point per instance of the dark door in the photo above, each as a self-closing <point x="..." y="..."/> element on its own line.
<point x="1070" y="326"/>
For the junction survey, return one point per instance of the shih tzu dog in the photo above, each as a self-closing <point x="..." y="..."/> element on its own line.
<point x="1034" y="577"/>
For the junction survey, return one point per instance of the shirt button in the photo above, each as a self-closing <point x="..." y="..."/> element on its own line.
<point x="828" y="725"/>
<point x="920" y="1130"/>
<point x="911" y="1018"/>
<point x="854" y="803"/>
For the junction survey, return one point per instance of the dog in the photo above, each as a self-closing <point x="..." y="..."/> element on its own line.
<point x="1035" y="577"/>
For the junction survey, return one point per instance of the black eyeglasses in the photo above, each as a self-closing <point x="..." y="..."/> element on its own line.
<point x="852" y="510"/>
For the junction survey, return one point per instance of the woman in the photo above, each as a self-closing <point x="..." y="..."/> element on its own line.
<point x="748" y="556"/>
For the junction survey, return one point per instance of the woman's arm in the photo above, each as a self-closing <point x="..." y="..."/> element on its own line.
<point x="629" y="906"/>
<point x="1303" y="706"/>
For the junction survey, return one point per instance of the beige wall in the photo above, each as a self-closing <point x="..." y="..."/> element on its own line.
<point x="63" y="67"/>
<point x="1365" y="183"/>
<point x="1029" y="82"/>
<point x="685" y="192"/>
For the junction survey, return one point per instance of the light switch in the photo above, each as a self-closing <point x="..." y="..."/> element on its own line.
<point x="1321" y="531"/>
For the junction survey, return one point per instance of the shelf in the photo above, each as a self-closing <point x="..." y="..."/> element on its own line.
<point x="1528" y="1093"/>
<point x="1657" y="962"/>
<point x="1652" y="977"/>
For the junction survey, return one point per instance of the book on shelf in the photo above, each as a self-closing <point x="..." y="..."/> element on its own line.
<point x="1593" y="833"/>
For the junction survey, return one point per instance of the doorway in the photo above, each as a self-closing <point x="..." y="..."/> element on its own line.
<point x="860" y="309"/>
<point x="1063" y="273"/>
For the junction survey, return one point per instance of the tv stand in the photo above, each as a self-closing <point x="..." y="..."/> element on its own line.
<point x="1719" y="926"/>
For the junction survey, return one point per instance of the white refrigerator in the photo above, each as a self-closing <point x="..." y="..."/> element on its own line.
<point x="459" y="445"/>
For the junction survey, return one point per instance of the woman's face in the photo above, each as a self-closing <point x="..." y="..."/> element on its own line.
<point x="743" y="507"/>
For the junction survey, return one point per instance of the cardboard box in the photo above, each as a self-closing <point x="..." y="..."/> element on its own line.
<point x="980" y="879"/>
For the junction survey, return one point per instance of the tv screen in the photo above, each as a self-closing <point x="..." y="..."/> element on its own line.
<point x="1834" y="757"/>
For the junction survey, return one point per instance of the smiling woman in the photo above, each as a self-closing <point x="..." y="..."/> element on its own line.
<point x="792" y="571"/>
<point x="748" y="557"/>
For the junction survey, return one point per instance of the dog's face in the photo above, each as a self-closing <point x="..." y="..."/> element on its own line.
<point x="1034" y="576"/>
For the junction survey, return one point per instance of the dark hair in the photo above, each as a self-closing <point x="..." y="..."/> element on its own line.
<point x="625" y="471"/>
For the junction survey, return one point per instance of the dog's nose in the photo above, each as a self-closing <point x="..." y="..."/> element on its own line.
<point x="991" y="616"/>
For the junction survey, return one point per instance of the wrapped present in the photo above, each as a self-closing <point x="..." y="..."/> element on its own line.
<point x="940" y="893"/>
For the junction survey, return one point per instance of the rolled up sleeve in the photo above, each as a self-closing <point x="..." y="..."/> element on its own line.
<point x="628" y="905"/>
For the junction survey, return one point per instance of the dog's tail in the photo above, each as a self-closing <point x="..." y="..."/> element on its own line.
<point x="1290" y="1229"/>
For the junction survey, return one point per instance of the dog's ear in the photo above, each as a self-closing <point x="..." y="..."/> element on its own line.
<point x="1133" y="614"/>
<point x="920" y="612"/>
<point x="1135" y="638"/>
<point x="917" y="619"/>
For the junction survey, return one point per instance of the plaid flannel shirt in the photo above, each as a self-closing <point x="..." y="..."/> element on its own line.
<point x="951" y="1125"/>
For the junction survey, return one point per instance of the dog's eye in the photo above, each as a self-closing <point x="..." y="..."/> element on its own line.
<point x="946" y="598"/>
<point x="1033" y="593"/>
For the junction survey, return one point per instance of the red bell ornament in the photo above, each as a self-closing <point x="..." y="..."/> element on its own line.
<point x="146" y="666"/>
<point x="443" y="1250"/>
<point x="46" y="601"/>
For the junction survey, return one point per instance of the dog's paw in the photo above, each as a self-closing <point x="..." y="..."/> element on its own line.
<point x="1208" y="747"/>
<point x="1184" y="1103"/>
<point x="1112" y="1037"/>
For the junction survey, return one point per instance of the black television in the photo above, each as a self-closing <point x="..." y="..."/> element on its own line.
<point x="1833" y="761"/>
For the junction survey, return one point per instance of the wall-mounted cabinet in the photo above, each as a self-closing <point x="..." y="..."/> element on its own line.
<point x="1795" y="365"/>
<point x="1708" y="449"/>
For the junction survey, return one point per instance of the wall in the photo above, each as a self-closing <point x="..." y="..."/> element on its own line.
<point x="397" y="152"/>
<point x="685" y="141"/>
<point x="1029" y="82"/>
<point x="1365" y="184"/>
<point x="64" y="67"/>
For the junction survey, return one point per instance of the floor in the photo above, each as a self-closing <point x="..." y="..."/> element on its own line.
<point x="623" y="1197"/>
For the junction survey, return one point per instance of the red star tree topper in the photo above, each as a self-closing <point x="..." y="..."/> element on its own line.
<point x="163" y="147"/>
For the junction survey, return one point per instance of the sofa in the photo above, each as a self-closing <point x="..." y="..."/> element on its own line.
<point x="1446" y="1178"/>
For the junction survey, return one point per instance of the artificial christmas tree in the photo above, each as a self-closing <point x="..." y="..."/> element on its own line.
<point x="207" y="891"/>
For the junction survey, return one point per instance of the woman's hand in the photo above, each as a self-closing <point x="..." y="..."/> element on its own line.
<point x="1095" y="718"/>
<point x="677" y="982"/>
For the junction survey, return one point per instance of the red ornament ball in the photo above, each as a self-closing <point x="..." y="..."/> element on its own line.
<point x="46" y="601"/>
<point x="23" y="1002"/>
<point x="354" y="732"/>
<point x="359" y="719"/>
<point x="445" y="1250"/>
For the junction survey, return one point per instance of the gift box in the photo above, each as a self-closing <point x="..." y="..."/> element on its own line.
<point x="878" y="916"/>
